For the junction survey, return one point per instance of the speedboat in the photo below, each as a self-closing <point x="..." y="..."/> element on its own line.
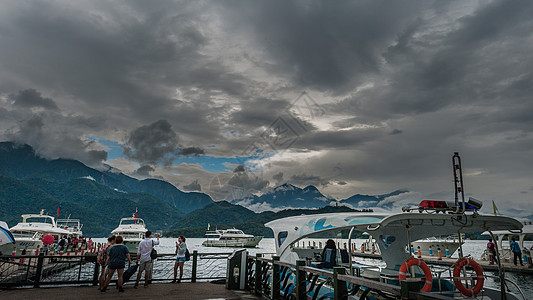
<point x="394" y="234"/>
<point x="72" y="225"/>
<point x="29" y="232"/>
<point x="132" y="230"/>
<point x="230" y="238"/>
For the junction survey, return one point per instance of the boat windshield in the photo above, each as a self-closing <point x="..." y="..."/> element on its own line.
<point x="131" y="221"/>
<point x="46" y="220"/>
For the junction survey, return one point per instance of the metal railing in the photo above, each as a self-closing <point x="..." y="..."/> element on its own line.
<point x="52" y="270"/>
<point x="273" y="279"/>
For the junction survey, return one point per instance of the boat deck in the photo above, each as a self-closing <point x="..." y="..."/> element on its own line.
<point x="508" y="266"/>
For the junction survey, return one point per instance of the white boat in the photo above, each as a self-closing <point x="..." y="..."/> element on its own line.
<point x="72" y="225"/>
<point x="393" y="233"/>
<point x="132" y="230"/>
<point x="504" y="249"/>
<point x="230" y="238"/>
<point x="428" y="246"/>
<point x="29" y="232"/>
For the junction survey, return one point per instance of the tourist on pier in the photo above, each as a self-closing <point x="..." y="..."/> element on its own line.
<point x="491" y="247"/>
<point x="144" y="259"/>
<point x="181" y="248"/>
<point x="62" y="243"/>
<point x="90" y="243"/>
<point x="102" y="259"/>
<point x="116" y="260"/>
<point x="516" y="251"/>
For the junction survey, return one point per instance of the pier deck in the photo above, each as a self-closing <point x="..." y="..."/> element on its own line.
<point x="199" y="290"/>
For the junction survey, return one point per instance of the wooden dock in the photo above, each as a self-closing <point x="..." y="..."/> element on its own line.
<point x="199" y="290"/>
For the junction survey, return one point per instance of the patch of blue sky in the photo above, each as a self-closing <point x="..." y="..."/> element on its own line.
<point x="206" y="162"/>
<point x="114" y="148"/>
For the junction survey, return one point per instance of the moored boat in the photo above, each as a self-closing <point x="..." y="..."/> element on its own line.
<point x="230" y="238"/>
<point x="132" y="230"/>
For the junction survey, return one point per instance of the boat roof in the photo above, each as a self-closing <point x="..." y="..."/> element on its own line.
<point x="402" y="226"/>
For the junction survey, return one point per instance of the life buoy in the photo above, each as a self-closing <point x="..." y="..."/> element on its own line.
<point x="459" y="265"/>
<point x="422" y="265"/>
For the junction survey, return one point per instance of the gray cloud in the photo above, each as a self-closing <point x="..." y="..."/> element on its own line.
<point x="144" y="171"/>
<point x="400" y="86"/>
<point x="31" y="98"/>
<point x="193" y="186"/>
<point x="196" y="151"/>
<point x="152" y="143"/>
<point x="306" y="179"/>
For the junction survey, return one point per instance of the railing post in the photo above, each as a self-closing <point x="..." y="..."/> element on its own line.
<point x="194" y="265"/>
<point x="96" y="273"/>
<point x="39" y="270"/>
<point x="258" y="274"/>
<point x="408" y="286"/>
<point x="276" y="293"/>
<point x="301" y="289"/>
<point x="340" y="290"/>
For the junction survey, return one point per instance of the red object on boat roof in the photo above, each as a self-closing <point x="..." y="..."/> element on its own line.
<point x="48" y="239"/>
<point x="433" y="204"/>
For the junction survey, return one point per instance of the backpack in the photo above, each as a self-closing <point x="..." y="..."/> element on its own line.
<point x="153" y="254"/>
<point x="187" y="255"/>
<point x="102" y="255"/>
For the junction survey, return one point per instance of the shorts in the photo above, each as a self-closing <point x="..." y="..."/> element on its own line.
<point x="180" y="259"/>
<point x="116" y="265"/>
<point x="147" y="265"/>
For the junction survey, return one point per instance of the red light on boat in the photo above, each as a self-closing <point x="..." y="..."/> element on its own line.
<point x="433" y="204"/>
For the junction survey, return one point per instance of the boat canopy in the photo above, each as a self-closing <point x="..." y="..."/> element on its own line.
<point x="393" y="232"/>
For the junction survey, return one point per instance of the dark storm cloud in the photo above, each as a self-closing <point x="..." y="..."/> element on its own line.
<point x="144" y="171"/>
<point x="196" y="151"/>
<point x="322" y="45"/>
<point x="396" y="131"/>
<point x="278" y="177"/>
<point x="307" y="179"/>
<point x="152" y="143"/>
<point x="32" y="98"/>
<point x="193" y="186"/>
<point x="239" y="169"/>
<point x="55" y="142"/>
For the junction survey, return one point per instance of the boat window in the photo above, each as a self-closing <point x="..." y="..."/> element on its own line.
<point x="282" y="236"/>
<point x="387" y="240"/>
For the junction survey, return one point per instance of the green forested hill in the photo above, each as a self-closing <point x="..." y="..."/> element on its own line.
<point x="225" y="215"/>
<point x="98" y="207"/>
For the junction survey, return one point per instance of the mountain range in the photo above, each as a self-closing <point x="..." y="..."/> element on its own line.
<point x="29" y="183"/>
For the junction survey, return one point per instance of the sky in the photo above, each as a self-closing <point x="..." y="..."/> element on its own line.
<point x="350" y="96"/>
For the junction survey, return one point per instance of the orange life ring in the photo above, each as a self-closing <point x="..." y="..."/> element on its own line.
<point x="420" y="263"/>
<point x="459" y="265"/>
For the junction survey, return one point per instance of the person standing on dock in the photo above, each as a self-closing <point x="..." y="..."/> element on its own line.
<point x="181" y="248"/>
<point x="116" y="260"/>
<point x="492" y="251"/>
<point x="144" y="259"/>
<point x="516" y="251"/>
<point x="102" y="259"/>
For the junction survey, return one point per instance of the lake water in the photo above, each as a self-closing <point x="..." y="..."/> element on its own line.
<point x="474" y="248"/>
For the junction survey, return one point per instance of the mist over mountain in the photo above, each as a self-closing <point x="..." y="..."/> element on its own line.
<point x="101" y="197"/>
<point x="21" y="162"/>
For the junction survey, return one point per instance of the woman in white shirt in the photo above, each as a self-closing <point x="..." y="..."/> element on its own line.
<point x="181" y="248"/>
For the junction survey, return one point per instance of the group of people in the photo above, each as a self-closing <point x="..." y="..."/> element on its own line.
<point x="73" y="243"/>
<point x="112" y="257"/>
<point x="515" y="248"/>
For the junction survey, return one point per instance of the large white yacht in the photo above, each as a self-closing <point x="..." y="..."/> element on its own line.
<point x="29" y="232"/>
<point x="72" y="225"/>
<point x="132" y="230"/>
<point x="230" y="238"/>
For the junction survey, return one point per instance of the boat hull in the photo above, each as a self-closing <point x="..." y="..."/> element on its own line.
<point x="241" y="243"/>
